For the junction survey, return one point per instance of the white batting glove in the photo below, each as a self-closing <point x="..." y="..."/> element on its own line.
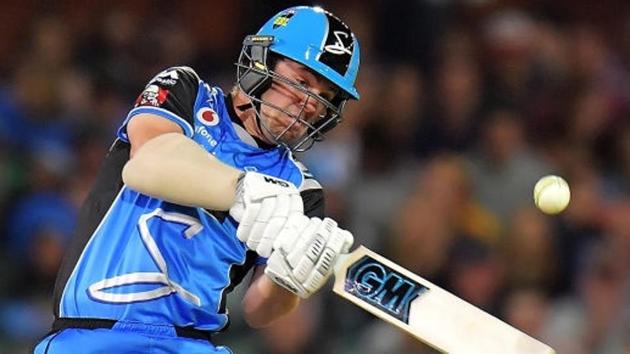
<point x="263" y="205"/>
<point x="305" y="253"/>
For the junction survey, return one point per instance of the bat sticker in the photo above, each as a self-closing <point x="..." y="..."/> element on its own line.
<point x="377" y="284"/>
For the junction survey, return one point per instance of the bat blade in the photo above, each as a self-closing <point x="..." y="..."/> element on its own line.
<point x="424" y="310"/>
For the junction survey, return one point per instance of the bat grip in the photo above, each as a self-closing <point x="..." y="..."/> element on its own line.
<point x="340" y="262"/>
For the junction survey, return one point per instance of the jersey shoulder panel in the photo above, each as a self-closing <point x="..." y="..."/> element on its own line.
<point x="309" y="181"/>
<point x="171" y="94"/>
<point x="311" y="192"/>
<point x="314" y="203"/>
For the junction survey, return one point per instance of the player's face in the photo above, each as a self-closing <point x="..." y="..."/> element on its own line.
<point x="294" y="101"/>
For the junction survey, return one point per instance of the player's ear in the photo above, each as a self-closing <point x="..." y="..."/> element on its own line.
<point x="272" y="60"/>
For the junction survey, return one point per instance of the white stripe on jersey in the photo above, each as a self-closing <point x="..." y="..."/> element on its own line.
<point x="308" y="181"/>
<point x="186" y="127"/>
<point x="169" y="286"/>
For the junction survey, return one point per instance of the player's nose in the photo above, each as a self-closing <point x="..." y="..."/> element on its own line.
<point x="310" y="105"/>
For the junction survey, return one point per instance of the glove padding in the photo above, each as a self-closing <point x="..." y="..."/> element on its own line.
<point x="305" y="253"/>
<point x="263" y="205"/>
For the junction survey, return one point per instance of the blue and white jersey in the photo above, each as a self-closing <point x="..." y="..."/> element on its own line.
<point x="140" y="259"/>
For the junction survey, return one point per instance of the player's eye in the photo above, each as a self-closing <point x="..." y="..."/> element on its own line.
<point x="328" y="96"/>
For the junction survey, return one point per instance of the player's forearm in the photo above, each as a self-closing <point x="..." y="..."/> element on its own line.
<point x="174" y="168"/>
<point x="265" y="302"/>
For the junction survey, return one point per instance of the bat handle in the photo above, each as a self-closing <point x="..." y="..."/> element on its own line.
<point x="345" y="259"/>
<point x="340" y="262"/>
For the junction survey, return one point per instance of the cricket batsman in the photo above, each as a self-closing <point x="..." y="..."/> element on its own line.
<point x="199" y="188"/>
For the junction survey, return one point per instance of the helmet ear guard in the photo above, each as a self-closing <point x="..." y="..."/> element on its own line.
<point x="253" y="61"/>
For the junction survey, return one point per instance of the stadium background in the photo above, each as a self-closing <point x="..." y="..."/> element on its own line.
<point x="464" y="105"/>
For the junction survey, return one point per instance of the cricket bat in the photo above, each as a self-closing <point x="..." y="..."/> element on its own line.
<point x="424" y="310"/>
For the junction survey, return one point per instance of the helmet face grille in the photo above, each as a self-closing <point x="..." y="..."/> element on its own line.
<point x="338" y="47"/>
<point x="254" y="79"/>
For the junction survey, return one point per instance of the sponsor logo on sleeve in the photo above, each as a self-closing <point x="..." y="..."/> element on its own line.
<point x="208" y="117"/>
<point x="203" y="136"/>
<point x="167" y="77"/>
<point x="153" y="95"/>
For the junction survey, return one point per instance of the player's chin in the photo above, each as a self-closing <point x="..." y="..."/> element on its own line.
<point x="291" y="135"/>
<point x="289" y="130"/>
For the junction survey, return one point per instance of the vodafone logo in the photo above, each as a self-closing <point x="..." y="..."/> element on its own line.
<point x="208" y="117"/>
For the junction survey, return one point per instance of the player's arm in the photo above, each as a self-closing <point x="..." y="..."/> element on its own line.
<point x="266" y="301"/>
<point x="164" y="161"/>
<point x="304" y="254"/>
<point x="146" y="126"/>
<point x="168" y="165"/>
<point x="162" y="157"/>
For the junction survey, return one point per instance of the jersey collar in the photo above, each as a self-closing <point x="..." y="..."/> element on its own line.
<point x="239" y="127"/>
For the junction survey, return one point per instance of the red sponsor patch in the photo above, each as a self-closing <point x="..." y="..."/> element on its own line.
<point x="208" y="117"/>
<point x="153" y="95"/>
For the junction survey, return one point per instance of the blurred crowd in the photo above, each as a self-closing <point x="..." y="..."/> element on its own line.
<point x="465" y="104"/>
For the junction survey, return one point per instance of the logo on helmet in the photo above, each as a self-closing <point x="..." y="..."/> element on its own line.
<point x="340" y="46"/>
<point x="282" y="20"/>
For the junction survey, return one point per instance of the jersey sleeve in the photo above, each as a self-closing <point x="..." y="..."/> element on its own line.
<point x="312" y="194"/>
<point x="313" y="202"/>
<point x="170" y="94"/>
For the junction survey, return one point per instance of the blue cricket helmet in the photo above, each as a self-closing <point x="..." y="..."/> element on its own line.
<point x="318" y="40"/>
<point x="314" y="38"/>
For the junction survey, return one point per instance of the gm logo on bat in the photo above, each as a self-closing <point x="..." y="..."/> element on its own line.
<point x="382" y="287"/>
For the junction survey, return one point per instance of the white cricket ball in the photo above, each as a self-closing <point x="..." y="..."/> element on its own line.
<point x="552" y="194"/>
